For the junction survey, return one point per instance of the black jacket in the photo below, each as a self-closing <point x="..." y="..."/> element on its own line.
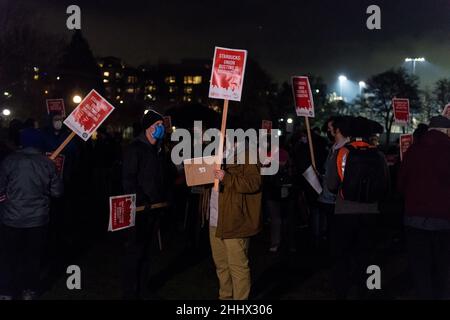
<point x="27" y="181"/>
<point x="144" y="172"/>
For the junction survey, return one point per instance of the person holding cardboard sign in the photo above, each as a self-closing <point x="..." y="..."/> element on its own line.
<point x="144" y="175"/>
<point x="235" y="216"/>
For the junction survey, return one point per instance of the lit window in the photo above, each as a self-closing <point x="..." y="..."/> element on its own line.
<point x="170" y="79"/>
<point x="117" y="97"/>
<point x="106" y="74"/>
<point x="101" y="65"/>
<point x="36" y="77"/>
<point x="118" y="75"/>
<point x="188" y="79"/>
<point x="130" y="90"/>
<point x="187" y="99"/>
<point x="188" y="89"/>
<point x="197" y="80"/>
<point x="132" y="79"/>
<point x="172" y="89"/>
<point x="36" y="69"/>
<point x="105" y="80"/>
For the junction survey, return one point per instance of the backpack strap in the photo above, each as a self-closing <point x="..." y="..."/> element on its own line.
<point x="341" y="160"/>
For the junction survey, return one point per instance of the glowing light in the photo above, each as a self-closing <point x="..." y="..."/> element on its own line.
<point x="76" y="99"/>
<point x="290" y="120"/>
<point x="6" y="112"/>
<point x="342" y="78"/>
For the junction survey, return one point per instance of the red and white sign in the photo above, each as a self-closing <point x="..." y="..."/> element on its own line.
<point x="168" y="123"/>
<point x="303" y="98"/>
<point x="89" y="115"/>
<point x="59" y="163"/>
<point x="267" y="124"/>
<point x="122" y="212"/>
<point x="446" y="112"/>
<point x="401" y="110"/>
<point x="406" y="141"/>
<point x="56" y="106"/>
<point x="227" y="76"/>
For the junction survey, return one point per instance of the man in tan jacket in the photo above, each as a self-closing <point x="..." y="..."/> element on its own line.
<point x="234" y="218"/>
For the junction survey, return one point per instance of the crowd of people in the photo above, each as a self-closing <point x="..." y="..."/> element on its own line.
<point x="42" y="208"/>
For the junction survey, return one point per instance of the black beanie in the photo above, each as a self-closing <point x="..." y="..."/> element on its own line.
<point x="150" y="118"/>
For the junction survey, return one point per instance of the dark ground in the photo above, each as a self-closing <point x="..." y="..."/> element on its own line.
<point x="182" y="272"/>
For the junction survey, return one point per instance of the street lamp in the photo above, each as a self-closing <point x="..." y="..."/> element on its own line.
<point x="342" y="79"/>
<point x="414" y="60"/>
<point x="362" y="85"/>
<point x="76" y="99"/>
<point x="6" y="112"/>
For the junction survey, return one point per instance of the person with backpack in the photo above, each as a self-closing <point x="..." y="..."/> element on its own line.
<point x="337" y="129"/>
<point x="359" y="176"/>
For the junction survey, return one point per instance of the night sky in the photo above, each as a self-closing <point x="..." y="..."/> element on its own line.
<point x="322" y="37"/>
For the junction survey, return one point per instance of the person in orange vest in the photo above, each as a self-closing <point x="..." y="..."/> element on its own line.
<point x="359" y="176"/>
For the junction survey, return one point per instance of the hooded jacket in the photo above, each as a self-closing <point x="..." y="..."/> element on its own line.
<point x="27" y="181"/>
<point x="145" y="172"/>
<point x="239" y="201"/>
<point x="424" y="177"/>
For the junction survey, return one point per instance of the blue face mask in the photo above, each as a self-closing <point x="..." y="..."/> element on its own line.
<point x="158" y="134"/>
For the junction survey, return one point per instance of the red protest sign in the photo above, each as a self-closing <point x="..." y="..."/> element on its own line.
<point x="56" y="106"/>
<point x="122" y="212"/>
<point x="446" y="112"/>
<point x="227" y="76"/>
<point x="303" y="98"/>
<point x="89" y="115"/>
<point x="401" y="110"/>
<point x="59" y="163"/>
<point x="406" y="141"/>
<point x="267" y="124"/>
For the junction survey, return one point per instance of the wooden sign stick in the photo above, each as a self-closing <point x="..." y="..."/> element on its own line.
<point x="153" y="206"/>
<point x="62" y="146"/>
<point x="221" y="141"/>
<point x="311" y="147"/>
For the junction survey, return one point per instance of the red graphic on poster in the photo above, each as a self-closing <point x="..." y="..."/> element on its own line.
<point x="56" y="106"/>
<point x="122" y="212"/>
<point x="304" y="103"/>
<point x="168" y="123"/>
<point x="401" y="110"/>
<point x="406" y="141"/>
<point x="89" y="115"/>
<point x="227" y="76"/>
<point x="446" y="112"/>
<point x="59" y="163"/>
<point x="267" y="124"/>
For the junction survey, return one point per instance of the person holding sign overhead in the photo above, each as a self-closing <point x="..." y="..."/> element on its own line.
<point x="235" y="216"/>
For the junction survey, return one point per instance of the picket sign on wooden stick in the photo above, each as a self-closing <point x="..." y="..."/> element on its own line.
<point x="62" y="146"/>
<point x="223" y="130"/>
<point x="311" y="147"/>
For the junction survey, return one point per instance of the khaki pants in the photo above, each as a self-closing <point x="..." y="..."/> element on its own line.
<point x="231" y="260"/>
